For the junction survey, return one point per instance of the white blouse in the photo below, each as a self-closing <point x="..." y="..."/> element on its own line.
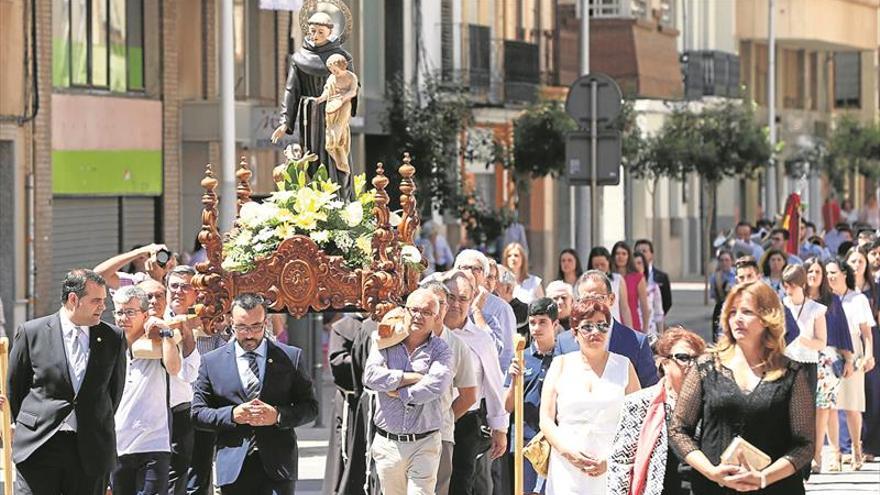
<point x="806" y="315"/>
<point x="527" y="290"/>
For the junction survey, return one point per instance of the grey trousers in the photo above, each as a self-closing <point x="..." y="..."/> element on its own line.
<point x="444" y="472"/>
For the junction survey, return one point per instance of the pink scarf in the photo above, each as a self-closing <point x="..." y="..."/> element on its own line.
<point x="651" y="429"/>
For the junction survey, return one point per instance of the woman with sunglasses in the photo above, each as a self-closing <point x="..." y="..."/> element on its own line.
<point x="746" y="387"/>
<point x="641" y="459"/>
<point x="579" y="414"/>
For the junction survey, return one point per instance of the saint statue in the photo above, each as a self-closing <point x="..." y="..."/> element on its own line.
<point x="320" y="98"/>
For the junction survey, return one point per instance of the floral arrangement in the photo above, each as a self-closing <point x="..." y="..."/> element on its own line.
<point x="309" y="206"/>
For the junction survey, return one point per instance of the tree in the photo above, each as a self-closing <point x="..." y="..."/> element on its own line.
<point x="539" y="140"/>
<point x="853" y="148"/>
<point x="719" y="142"/>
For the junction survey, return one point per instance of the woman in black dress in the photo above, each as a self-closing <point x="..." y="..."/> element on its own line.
<point x="746" y="387"/>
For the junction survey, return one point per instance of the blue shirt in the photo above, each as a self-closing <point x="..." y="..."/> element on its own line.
<point x="535" y="368"/>
<point x="417" y="409"/>
<point x="500" y="318"/>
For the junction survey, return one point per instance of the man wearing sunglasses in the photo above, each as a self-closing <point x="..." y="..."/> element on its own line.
<point x="252" y="392"/>
<point x="595" y="286"/>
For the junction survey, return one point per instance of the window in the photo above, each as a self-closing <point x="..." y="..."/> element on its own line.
<point x="98" y="44"/>
<point x="847" y="79"/>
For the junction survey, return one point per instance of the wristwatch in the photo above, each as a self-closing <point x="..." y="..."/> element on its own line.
<point x="166" y="333"/>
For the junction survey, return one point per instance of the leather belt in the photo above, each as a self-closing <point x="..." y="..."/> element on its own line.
<point x="406" y="437"/>
<point x="181" y="407"/>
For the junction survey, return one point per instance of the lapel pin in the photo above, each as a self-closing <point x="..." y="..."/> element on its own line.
<point x="270" y="360"/>
<point x="98" y="339"/>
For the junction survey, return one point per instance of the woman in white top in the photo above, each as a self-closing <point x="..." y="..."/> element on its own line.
<point x="655" y="299"/>
<point x="579" y="414"/>
<point x="600" y="259"/>
<point x="812" y="338"/>
<point x="528" y="286"/>
<point x="860" y="319"/>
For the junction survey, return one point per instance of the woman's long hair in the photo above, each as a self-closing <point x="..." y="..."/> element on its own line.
<point x="769" y="308"/>
<point x="524" y="266"/>
<point x="578" y="270"/>
<point x="866" y="276"/>
<point x="599" y="251"/>
<point x="630" y="265"/>
<point x="765" y="261"/>
<point x="826" y="297"/>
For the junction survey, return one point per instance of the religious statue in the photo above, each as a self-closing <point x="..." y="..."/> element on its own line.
<point x="320" y="98"/>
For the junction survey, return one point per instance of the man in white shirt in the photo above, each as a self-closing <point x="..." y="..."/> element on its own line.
<point x="497" y="312"/>
<point x="470" y="454"/>
<point x="464" y="381"/>
<point x="143" y="432"/>
<point x="181" y="296"/>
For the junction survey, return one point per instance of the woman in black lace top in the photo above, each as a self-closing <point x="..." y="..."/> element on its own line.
<point x="746" y="387"/>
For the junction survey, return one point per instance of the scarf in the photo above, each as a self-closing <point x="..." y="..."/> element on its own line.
<point x="651" y="429"/>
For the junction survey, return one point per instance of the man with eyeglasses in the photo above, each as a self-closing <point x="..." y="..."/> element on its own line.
<point x="252" y="392"/>
<point x="181" y="297"/>
<point x="143" y="440"/>
<point x="563" y="296"/>
<point x="481" y="433"/>
<point x="410" y="369"/>
<point x="595" y="286"/>
<point x="464" y="382"/>
<point x="157" y="296"/>
<point x="499" y="315"/>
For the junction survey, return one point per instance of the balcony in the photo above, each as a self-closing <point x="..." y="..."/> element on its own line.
<point x="522" y="71"/>
<point x="815" y="24"/>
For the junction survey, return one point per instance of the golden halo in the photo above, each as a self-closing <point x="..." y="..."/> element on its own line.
<point x="336" y="9"/>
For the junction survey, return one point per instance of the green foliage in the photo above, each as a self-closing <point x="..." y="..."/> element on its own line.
<point x="719" y="142"/>
<point x="852" y="146"/>
<point x="539" y="140"/>
<point x="427" y="122"/>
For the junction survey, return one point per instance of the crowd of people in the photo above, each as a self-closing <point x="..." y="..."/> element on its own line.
<point x="614" y="400"/>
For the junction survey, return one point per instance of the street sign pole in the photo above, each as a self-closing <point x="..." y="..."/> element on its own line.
<point x="594" y="159"/>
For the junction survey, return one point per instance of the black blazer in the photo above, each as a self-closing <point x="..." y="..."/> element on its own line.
<point x="286" y="386"/>
<point x="41" y="393"/>
<point x="662" y="280"/>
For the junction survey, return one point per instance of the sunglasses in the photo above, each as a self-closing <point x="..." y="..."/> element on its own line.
<point x="683" y="358"/>
<point x="588" y="328"/>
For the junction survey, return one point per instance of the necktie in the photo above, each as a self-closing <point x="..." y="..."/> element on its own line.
<point x="252" y="390"/>
<point x="252" y="383"/>
<point x="78" y="357"/>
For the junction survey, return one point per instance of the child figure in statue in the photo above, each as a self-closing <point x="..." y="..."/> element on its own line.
<point x="340" y="89"/>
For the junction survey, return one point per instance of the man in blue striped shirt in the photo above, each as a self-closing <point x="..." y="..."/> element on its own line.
<point x="411" y="369"/>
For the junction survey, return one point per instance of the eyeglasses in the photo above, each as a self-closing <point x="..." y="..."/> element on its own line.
<point x="249" y="328"/>
<point x="682" y="358"/>
<point x="588" y="328"/>
<point x="472" y="268"/>
<point x="156" y="295"/>
<point x="177" y="286"/>
<point x="594" y="296"/>
<point x="128" y="313"/>
<point x="424" y="313"/>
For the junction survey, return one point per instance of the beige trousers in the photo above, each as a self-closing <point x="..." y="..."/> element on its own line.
<point x="444" y="472"/>
<point x="407" y="468"/>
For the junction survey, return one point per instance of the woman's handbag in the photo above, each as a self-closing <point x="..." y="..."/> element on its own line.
<point x="538" y="453"/>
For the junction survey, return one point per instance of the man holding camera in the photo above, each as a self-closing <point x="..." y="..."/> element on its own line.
<point x="150" y="262"/>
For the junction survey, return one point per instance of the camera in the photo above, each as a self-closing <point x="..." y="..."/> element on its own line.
<point x="163" y="256"/>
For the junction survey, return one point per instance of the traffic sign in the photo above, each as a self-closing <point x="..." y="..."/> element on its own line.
<point x="608" y="98"/>
<point x="578" y="164"/>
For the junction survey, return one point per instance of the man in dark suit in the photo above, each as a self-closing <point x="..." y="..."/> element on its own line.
<point x="253" y="392"/>
<point x="594" y="285"/>
<point x="66" y="375"/>
<point x="646" y="247"/>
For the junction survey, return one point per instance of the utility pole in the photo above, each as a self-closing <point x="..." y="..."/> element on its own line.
<point x="227" y="118"/>
<point x="584" y="199"/>
<point x="772" y="206"/>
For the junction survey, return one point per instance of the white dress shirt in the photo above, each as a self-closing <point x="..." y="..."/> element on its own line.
<point x="490" y="379"/>
<point x="69" y="333"/>
<point x="244" y="364"/>
<point x="463" y="376"/>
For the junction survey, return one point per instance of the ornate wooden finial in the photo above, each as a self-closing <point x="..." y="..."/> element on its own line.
<point x="243" y="190"/>
<point x="410" y="216"/>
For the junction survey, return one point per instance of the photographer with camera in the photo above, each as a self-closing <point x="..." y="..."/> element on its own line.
<point x="157" y="259"/>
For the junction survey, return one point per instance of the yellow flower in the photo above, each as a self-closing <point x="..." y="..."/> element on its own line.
<point x="360" y="181"/>
<point x="285" y="230"/>
<point x="365" y="244"/>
